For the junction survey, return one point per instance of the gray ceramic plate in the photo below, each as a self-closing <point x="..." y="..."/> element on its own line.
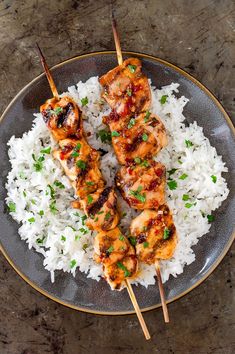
<point x="86" y="294"/>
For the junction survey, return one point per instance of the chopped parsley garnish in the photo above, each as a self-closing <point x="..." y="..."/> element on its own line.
<point x="100" y="212"/>
<point x="172" y="171"/>
<point x="63" y="238"/>
<point x="22" y="175"/>
<point x="166" y="233"/>
<point x="122" y="267"/>
<point x="73" y="262"/>
<point x="81" y="164"/>
<point x="145" y="137"/>
<point x="188" y="205"/>
<point x="183" y="176"/>
<point x="104" y="135"/>
<point x="84" y="217"/>
<point x="53" y="208"/>
<point x="115" y="133"/>
<point x="137" y="160"/>
<point x="145" y="163"/>
<point x="56" y="110"/>
<point x="46" y="150"/>
<point x="11" y="207"/>
<point x="163" y="99"/>
<point x="33" y="201"/>
<point x="141" y="162"/>
<point x="129" y="92"/>
<point x="89" y="199"/>
<point x="137" y="195"/>
<point x="185" y="197"/>
<point x="96" y="219"/>
<point x="85" y="246"/>
<point x="147" y="115"/>
<point x="172" y="185"/>
<point x="24" y="194"/>
<point x="107" y="216"/>
<point x="188" y="143"/>
<point x="132" y="68"/>
<point x="38" y="165"/>
<point x="71" y="227"/>
<point x="179" y="161"/>
<point x="121" y="237"/>
<point x="59" y="184"/>
<point x="40" y="240"/>
<point x="132" y="240"/>
<point x="41" y="212"/>
<point x="210" y="218"/>
<point x="145" y="244"/>
<point x="83" y="230"/>
<point x="77" y="237"/>
<point x="84" y="101"/>
<point x="110" y="249"/>
<point x="31" y="220"/>
<point x="75" y="154"/>
<point x="90" y="183"/>
<point x="131" y="123"/>
<point x="52" y="191"/>
<point x="214" y="178"/>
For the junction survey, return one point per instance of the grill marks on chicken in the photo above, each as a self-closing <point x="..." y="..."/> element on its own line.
<point x="81" y="164"/>
<point x="155" y="234"/>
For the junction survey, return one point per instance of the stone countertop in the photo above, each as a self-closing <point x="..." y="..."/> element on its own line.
<point x="197" y="36"/>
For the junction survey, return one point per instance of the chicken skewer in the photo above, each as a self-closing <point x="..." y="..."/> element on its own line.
<point x="141" y="180"/>
<point x="81" y="163"/>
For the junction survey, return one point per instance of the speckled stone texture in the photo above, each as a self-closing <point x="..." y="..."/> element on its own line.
<point x="199" y="37"/>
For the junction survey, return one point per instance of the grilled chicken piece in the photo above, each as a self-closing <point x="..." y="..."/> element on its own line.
<point x="126" y="88"/>
<point x="101" y="209"/>
<point x="63" y="117"/>
<point x="81" y="164"/>
<point x="142" y="184"/>
<point x="155" y="234"/>
<point x="115" y="252"/>
<point x="141" y="137"/>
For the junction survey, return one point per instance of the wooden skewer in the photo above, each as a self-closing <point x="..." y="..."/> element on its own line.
<point x="162" y="292"/>
<point x="137" y="309"/>
<point x="48" y="74"/>
<point x="157" y="265"/>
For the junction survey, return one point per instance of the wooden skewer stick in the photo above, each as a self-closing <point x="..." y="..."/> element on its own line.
<point x="137" y="309"/>
<point x="48" y="74"/>
<point x="162" y="292"/>
<point x="157" y="265"/>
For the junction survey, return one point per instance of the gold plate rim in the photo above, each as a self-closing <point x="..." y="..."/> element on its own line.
<point x="230" y="241"/>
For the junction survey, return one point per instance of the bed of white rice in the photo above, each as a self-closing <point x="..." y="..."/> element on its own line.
<point x="54" y="229"/>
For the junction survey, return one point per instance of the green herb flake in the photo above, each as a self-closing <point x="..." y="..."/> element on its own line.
<point x="53" y="208"/>
<point x="110" y="249"/>
<point x="75" y="154"/>
<point x="122" y="267"/>
<point x="121" y="237"/>
<point x="83" y="230"/>
<point x="147" y="116"/>
<point x="56" y="110"/>
<point x="210" y="218"/>
<point x="52" y="191"/>
<point x="172" y="185"/>
<point x="81" y="164"/>
<point x="77" y="237"/>
<point x="163" y="99"/>
<point x="63" y="238"/>
<point x="24" y="194"/>
<point x="185" y="197"/>
<point x="129" y="92"/>
<point x="172" y="171"/>
<point x="40" y="241"/>
<point x="73" y="262"/>
<point x="41" y="213"/>
<point x="89" y="199"/>
<point x="166" y="233"/>
<point x="188" y="205"/>
<point x="145" y="137"/>
<point x="22" y="175"/>
<point x="85" y="246"/>
<point x="124" y="214"/>
<point x="132" y="68"/>
<point x="104" y="135"/>
<point x="11" y="207"/>
<point x="115" y="133"/>
<point x="84" y="101"/>
<point x="183" y="176"/>
<point x="214" y="178"/>
<point x="132" y="240"/>
<point x="38" y="165"/>
<point x="137" y="160"/>
<point x="107" y="216"/>
<point x="100" y="212"/>
<point x="137" y="195"/>
<point x="46" y="150"/>
<point x="179" y="161"/>
<point x="59" y="184"/>
<point x="188" y="143"/>
<point x="84" y="217"/>
<point x="90" y="183"/>
<point x="131" y="123"/>
<point x="145" y="244"/>
<point x="31" y="220"/>
<point x="96" y="219"/>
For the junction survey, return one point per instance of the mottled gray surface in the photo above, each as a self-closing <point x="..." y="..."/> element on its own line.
<point x="199" y="37"/>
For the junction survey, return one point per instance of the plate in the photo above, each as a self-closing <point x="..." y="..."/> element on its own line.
<point x="80" y="292"/>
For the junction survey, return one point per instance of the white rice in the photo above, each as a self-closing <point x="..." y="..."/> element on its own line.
<point x="63" y="240"/>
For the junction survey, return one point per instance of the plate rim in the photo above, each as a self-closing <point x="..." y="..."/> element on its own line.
<point x="232" y="128"/>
